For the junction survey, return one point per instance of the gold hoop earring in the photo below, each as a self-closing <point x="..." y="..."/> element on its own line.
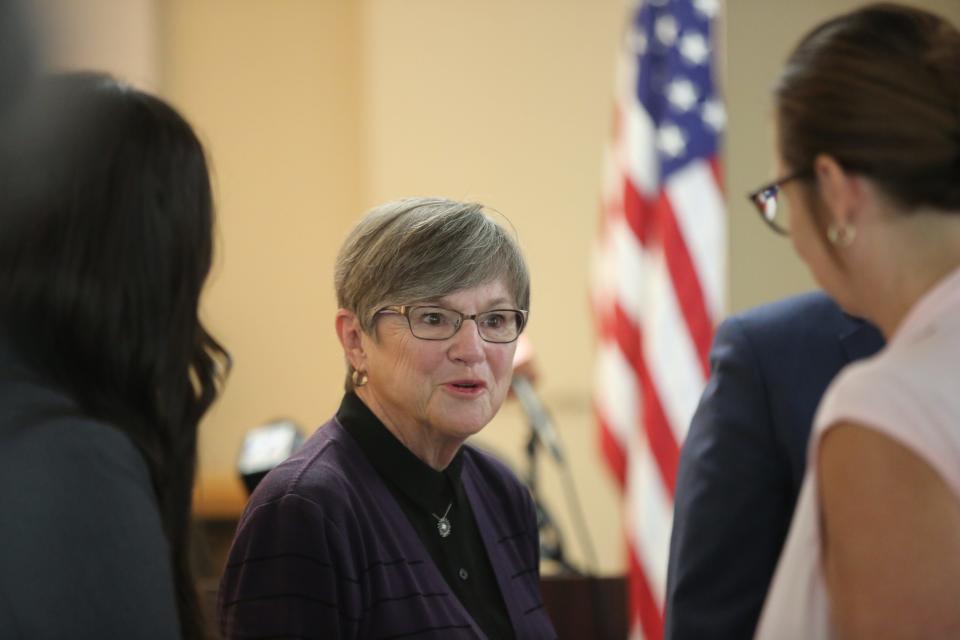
<point x="841" y="235"/>
<point x="359" y="378"/>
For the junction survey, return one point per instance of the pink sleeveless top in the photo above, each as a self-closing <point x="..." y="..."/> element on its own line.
<point x="909" y="393"/>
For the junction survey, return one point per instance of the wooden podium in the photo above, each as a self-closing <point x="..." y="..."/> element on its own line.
<point x="594" y="608"/>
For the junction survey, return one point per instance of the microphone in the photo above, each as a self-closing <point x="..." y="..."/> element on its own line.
<point x="537" y="414"/>
<point x="264" y="448"/>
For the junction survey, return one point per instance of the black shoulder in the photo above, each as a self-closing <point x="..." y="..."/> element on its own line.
<point x="80" y="513"/>
<point x="73" y="451"/>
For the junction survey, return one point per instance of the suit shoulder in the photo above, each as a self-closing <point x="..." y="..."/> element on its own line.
<point x="795" y="309"/>
<point x="803" y="316"/>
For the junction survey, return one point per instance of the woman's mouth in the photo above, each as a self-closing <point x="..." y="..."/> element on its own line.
<point x="465" y="387"/>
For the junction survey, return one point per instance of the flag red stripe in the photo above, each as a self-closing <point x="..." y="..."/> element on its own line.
<point x="627" y="335"/>
<point x="686" y="283"/>
<point x="653" y="420"/>
<point x="643" y="606"/>
<point x="612" y="451"/>
<point x="663" y="445"/>
<point x="603" y="317"/>
<point x="637" y="212"/>
<point x="717" y="169"/>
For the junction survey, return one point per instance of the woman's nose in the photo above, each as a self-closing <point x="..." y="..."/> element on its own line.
<point x="467" y="343"/>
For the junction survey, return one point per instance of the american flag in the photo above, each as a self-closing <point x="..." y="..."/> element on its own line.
<point x="659" y="277"/>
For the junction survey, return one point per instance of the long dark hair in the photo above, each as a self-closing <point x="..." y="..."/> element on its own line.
<point x="879" y="90"/>
<point x="105" y="243"/>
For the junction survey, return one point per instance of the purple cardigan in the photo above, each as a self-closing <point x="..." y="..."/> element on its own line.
<point x="323" y="550"/>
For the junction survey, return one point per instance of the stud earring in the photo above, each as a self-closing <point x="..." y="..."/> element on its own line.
<point x="841" y="235"/>
<point x="359" y="378"/>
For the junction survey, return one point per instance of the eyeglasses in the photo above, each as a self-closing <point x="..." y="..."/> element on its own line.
<point x="766" y="200"/>
<point x="437" y="323"/>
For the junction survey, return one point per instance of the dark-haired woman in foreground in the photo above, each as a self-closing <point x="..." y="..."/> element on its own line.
<point x="106" y="226"/>
<point x="868" y="123"/>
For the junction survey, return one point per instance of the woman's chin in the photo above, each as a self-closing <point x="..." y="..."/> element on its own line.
<point x="463" y="422"/>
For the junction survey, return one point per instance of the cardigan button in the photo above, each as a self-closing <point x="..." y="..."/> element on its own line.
<point x="463" y="574"/>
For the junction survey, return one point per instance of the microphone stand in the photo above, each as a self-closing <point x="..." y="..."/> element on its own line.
<point x="551" y="538"/>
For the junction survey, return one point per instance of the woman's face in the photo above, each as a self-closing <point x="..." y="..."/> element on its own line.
<point x="440" y="389"/>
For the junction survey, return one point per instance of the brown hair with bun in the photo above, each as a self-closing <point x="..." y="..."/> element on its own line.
<point x="878" y="89"/>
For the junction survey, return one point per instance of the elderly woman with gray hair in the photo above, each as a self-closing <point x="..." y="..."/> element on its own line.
<point x="385" y="524"/>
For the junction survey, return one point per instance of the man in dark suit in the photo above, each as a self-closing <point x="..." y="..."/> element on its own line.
<point x="744" y="457"/>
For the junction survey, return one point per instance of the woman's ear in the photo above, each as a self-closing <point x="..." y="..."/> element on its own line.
<point x="351" y="338"/>
<point x="842" y="192"/>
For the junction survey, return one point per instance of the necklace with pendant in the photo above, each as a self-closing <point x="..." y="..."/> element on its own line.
<point x="443" y="525"/>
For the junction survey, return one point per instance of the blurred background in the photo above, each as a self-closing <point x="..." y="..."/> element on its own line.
<point x="314" y="111"/>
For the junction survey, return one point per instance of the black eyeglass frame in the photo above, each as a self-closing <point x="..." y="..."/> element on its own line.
<point x="406" y="310"/>
<point x="760" y="196"/>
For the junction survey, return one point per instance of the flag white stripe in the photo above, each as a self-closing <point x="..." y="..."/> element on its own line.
<point x="645" y="293"/>
<point x="633" y="271"/>
<point x="649" y="515"/>
<point x="639" y="153"/>
<point x="671" y="356"/>
<point x="616" y="391"/>
<point x="698" y="207"/>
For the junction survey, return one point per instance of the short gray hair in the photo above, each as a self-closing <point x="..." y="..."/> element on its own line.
<point x="419" y="249"/>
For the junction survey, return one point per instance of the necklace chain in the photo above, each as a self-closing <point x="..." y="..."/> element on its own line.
<point x="443" y="525"/>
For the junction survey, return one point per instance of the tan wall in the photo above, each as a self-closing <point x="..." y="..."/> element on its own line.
<point x="272" y="89"/>
<point x="315" y="110"/>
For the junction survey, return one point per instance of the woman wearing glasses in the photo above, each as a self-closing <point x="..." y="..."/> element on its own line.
<point x="385" y="524"/>
<point x="868" y="124"/>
